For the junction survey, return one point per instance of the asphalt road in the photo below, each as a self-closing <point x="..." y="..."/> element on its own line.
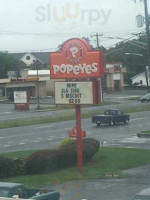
<point x="49" y="135"/>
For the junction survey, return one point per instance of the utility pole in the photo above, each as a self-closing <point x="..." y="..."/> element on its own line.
<point x="147" y="30"/>
<point x="97" y="39"/>
<point x="148" y="42"/>
<point x="98" y="48"/>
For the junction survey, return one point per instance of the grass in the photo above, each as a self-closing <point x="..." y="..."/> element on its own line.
<point x="61" y="117"/>
<point x="134" y="98"/>
<point x="148" y="132"/>
<point x="107" y="163"/>
<point x="64" y="107"/>
<point x="144" y="134"/>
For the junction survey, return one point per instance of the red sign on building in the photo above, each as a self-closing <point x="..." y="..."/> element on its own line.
<point x="76" y="60"/>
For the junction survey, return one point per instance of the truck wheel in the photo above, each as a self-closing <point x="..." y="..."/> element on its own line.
<point x="98" y="124"/>
<point x="111" y="123"/>
<point x="126" y="121"/>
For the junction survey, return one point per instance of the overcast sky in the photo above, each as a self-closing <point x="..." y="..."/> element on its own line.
<point x="27" y="25"/>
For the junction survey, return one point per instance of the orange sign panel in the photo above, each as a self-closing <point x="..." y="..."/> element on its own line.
<point x="73" y="133"/>
<point x="76" y="60"/>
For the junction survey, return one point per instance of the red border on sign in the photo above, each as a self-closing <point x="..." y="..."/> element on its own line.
<point x="76" y="60"/>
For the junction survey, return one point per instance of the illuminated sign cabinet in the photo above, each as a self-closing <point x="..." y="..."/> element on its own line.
<point x="77" y="61"/>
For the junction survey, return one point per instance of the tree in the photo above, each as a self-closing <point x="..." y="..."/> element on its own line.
<point x="132" y="62"/>
<point x="7" y="63"/>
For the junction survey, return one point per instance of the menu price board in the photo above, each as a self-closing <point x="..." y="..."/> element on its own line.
<point x="73" y="93"/>
<point x="20" y="97"/>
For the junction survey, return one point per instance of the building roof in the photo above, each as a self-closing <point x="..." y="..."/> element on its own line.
<point x="141" y="74"/>
<point x="43" y="56"/>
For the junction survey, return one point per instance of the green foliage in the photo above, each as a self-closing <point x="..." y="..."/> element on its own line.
<point x="7" y="167"/>
<point x="65" y="156"/>
<point x="107" y="163"/>
<point x="68" y="150"/>
<point x="90" y="148"/>
<point x="65" y="142"/>
<point x="42" y="161"/>
<point x="20" y="166"/>
<point x="133" y="63"/>
<point x="7" y="63"/>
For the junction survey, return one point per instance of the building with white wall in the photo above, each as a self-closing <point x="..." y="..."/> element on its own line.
<point x="140" y="79"/>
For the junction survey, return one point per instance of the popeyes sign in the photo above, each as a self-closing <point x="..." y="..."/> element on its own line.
<point x="76" y="60"/>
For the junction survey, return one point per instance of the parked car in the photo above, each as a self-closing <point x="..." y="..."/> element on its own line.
<point x="145" y="98"/>
<point x="18" y="190"/>
<point x="142" y="195"/>
<point x="111" y="117"/>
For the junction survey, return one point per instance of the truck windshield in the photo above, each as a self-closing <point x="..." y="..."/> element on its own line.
<point x="4" y="192"/>
<point x="110" y="112"/>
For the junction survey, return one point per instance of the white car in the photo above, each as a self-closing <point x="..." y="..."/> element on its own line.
<point x="145" y="98"/>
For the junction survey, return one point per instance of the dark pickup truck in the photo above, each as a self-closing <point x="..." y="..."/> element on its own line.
<point x="111" y="117"/>
<point x="10" y="190"/>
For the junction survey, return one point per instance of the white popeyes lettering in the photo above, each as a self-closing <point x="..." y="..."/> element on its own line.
<point x="94" y="67"/>
<point x="56" y="68"/>
<point x="69" y="69"/>
<point x="88" y="69"/>
<point x="76" y="70"/>
<point x="63" y="68"/>
<point x="83" y="69"/>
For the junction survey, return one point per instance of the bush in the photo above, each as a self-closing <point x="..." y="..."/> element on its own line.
<point x="42" y="161"/>
<point x="90" y="147"/>
<point x="20" y="166"/>
<point x="68" y="151"/>
<point x="65" y="142"/>
<point x="7" y="167"/>
<point x="65" y="156"/>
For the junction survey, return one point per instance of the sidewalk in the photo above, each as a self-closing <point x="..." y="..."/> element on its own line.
<point x="106" y="189"/>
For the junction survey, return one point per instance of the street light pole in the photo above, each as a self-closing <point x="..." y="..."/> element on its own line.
<point x="38" y="102"/>
<point x="147" y="30"/>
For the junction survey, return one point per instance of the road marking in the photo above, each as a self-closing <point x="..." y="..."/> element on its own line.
<point x="40" y="127"/>
<point x="69" y="128"/>
<point x="10" y="142"/>
<point x="50" y="139"/>
<point x="36" y="141"/>
<point x="88" y="133"/>
<point x="136" y="119"/>
<point x="6" y="146"/>
<point x="1" y="137"/>
<point x="7" y="112"/>
<point x="22" y="143"/>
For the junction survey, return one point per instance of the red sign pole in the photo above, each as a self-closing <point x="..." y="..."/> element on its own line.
<point x="79" y="138"/>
